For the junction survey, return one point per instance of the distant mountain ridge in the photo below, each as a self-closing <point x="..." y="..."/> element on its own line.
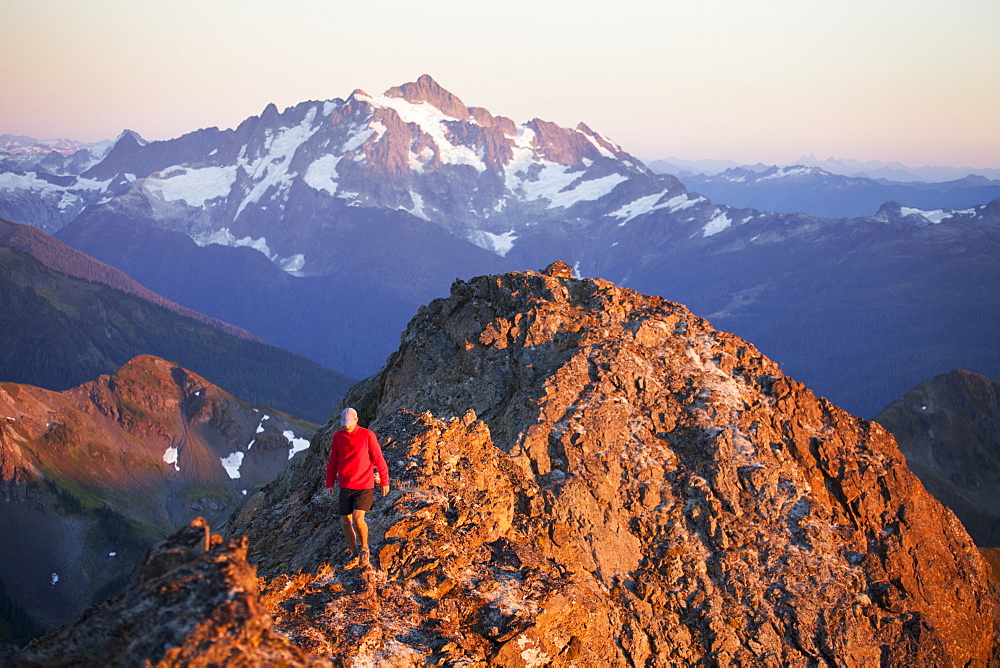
<point x="58" y="331"/>
<point x="820" y="193"/>
<point x="23" y="145"/>
<point x="873" y="169"/>
<point x="62" y="258"/>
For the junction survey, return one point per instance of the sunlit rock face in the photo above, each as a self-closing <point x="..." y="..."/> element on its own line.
<point x="585" y="475"/>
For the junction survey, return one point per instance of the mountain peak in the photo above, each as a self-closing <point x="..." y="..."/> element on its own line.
<point x="586" y="450"/>
<point x="426" y="89"/>
<point x="129" y="137"/>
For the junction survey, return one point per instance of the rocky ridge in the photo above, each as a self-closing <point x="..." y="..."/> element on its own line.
<point x="584" y="475"/>
<point x="589" y="476"/>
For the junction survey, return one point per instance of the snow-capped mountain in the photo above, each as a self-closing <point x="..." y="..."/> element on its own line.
<point x="818" y="192"/>
<point x="283" y="183"/>
<point x="417" y="148"/>
<point x="322" y="228"/>
<point x="21" y="145"/>
<point x="895" y="171"/>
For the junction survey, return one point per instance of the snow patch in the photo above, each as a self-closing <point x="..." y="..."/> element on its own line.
<point x="590" y="190"/>
<point x="501" y="244"/>
<point x="651" y="203"/>
<point x="418" y="205"/>
<point x="418" y="161"/>
<point x="542" y="183"/>
<point x="294" y="264"/>
<point x="260" y="427"/>
<point x="68" y="200"/>
<point x="322" y="174"/>
<point x="224" y="237"/>
<point x="232" y="464"/>
<point x="787" y="171"/>
<point x="54" y="579"/>
<point x="432" y="121"/>
<point x="194" y="187"/>
<point x="298" y="444"/>
<point x="720" y="222"/>
<point x="170" y="457"/>
<point x="934" y="217"/>
<point x="600" y="149"/>
<point x="357" y="140"/>
<point x="28" y="181"/>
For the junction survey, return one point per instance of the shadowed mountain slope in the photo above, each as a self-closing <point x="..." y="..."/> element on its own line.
<point x="57" y="331"/>
<point x="57" y="255"/>
<point x="949" y="430"/>
<point x="92" y="476"/>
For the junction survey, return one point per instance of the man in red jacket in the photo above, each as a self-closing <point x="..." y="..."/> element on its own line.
<point x="354" y="456"/>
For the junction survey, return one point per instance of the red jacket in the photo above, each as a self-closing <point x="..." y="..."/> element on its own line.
<point x="354" y="458"/>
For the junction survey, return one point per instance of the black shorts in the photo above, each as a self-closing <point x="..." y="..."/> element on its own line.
<point x="355" y="499"/>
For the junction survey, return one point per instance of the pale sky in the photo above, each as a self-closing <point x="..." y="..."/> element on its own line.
<point x="915" y="81"/>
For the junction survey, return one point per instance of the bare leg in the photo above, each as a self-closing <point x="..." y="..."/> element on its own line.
<point x="361" y="527"/>
<point x="349" y="535"/>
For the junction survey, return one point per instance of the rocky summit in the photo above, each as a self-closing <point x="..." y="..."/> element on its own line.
<point x="585" y="475"/>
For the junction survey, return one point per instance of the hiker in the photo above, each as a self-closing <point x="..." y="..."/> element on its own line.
<point x="354" y="456"/>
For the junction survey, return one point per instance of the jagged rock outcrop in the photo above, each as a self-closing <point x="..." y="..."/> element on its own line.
<point x="584" y="475"/>
<point x="949" y="430"/>
<point x="194" y="602"/>
<point x="590" y="476"/>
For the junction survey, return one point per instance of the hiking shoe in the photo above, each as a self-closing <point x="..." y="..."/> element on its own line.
<point x="365" y="560"/>
<point x="352" y="562"/>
